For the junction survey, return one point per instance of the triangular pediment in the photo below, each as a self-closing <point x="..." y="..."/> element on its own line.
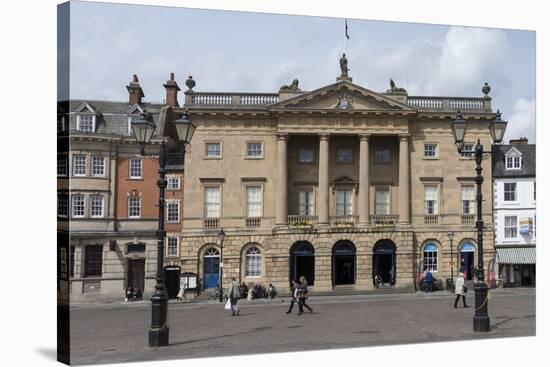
<point x="342" y="96"/>
<point x="85" y="107"/>
<point x="135" y="109"/>
<point x="344" y="180"/>
<point x="513" y="152"/>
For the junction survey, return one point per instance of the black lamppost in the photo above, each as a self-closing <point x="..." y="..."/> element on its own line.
<point x="143" y="130"/>
<point x="221" y="238"/>
<point x="497" y="128"/>
<point x="450" y="235"/>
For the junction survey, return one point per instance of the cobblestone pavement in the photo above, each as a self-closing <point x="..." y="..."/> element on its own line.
<point x="118" y="332"/>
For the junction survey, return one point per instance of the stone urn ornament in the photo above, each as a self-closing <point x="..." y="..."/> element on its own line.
<point x="486" y="89"/>
<point x="190" y="83"/>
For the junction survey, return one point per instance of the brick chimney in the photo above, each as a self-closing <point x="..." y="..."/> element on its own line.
<point x="135" y="93"/>
<point x="519" y="141"/>
<point x="172" y="91"/>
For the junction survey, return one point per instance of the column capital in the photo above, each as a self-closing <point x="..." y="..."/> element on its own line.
<point x="324" y="136"/>
<point x="282" y="136"/>
<point x="404" y="137"/>
<point x="364" y="137"/>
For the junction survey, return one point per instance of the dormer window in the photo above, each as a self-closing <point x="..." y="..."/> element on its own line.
<point x="513" y="159"/>
<point x="85" y="123"/>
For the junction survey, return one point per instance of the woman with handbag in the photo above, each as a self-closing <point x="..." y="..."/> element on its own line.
<point x="303" y="296"/>
<point x="460" y="289"/>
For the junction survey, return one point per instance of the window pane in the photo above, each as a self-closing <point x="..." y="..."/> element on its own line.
<point x="253" y="264"/>
<point x="382" y="156"/>
<point x="78" y="205"/>
<point x="212" y="202"/>
<point x="62" y="204"/>
<point x="430" y="199"/>
<point x="96" y="206"/>
<point x="135" y="168"/>
<point x="430" y="150"/>
<point x="343" y="202"/>
<point x="98" y="165"/>
<point x="213" y="149"/>
<point x="134" y="207"/>
<point x="172" y="248"/>
<point x="93" y="260"/>
<point x="173" y="212"/>
<point x="254" y="149"/>
<point x="173" y="183"/>
<point x="306" y="202"/>
<point x="79" y="165"/>
<point x="382" y="202"/>
<point x="253" y="201"/>
<point x="344" y="155"/>
<point x="305" y="155"/>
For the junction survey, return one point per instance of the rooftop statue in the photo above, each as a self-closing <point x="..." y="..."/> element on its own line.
<point x="344" y="66"/>
<point x="394" y="88"/>
<point x="292" y="87"/>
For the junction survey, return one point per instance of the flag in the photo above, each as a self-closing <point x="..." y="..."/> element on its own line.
<point x="347" y="35"/>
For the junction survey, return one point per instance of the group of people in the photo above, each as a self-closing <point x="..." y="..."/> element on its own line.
<point x="133" y="294"/>
<point x="299" y="296"/>
<point x="257" y="291"/>
<point x="236" y="291"/>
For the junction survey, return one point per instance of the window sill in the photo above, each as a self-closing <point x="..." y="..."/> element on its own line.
<point x="430" y="158"/>
<point x="212" y="158"/>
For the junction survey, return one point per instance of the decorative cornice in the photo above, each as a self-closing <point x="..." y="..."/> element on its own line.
<point x="431" y="179"/>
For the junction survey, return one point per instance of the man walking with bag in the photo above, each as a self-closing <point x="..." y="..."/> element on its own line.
<point x="234" y="295"/>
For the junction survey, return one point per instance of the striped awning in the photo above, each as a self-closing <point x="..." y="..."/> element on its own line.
<point x="517" y="255"/>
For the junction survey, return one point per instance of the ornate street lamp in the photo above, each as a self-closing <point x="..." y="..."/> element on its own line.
<point x="221" y="238"/>
<point x="497" y="128"/>
<point x="450" y="236"/>
<point x="144" y="129"/>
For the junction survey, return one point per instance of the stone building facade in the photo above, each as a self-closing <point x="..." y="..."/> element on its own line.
<point x="337" y="184"/>
<point x="108" y="197"/>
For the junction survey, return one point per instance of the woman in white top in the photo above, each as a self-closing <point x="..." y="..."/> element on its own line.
<point x="459" y="289"/>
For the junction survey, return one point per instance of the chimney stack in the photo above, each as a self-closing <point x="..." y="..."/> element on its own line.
<point x="522" y="140"/>
<point x="172" y="89"/>
<point x="135" y="93"/>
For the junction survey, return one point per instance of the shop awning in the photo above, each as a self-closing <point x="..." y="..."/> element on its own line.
<point x="517" y="255"/>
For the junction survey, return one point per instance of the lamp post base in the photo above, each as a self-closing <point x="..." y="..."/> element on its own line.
<point x="481" y="318"/>
<point x="158" y="337"/>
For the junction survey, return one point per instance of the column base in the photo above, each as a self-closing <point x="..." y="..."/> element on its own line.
<point x="158" y="337"/>
<point x="482" y="324"/>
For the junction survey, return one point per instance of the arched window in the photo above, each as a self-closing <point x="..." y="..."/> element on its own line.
<point x="430" y="257"/>
<point x="253" y="262"/>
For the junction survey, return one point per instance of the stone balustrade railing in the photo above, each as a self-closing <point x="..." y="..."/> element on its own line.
<point x="342" y="220"/>
<point x="379" y="219"/>
<point x="450" y="103"/>
<point x="239" y="99"/>
<point x="302" y="220"/>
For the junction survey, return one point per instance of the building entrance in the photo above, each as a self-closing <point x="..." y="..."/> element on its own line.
<point x="211" y="268"/>
<point x="467" y="264"/>
<point x="172" y="280"/>
<point x="384" y="264"/>
<point x="136" y="274"/>
<point x="302" y="261"/>
<point x="343" y="263"/>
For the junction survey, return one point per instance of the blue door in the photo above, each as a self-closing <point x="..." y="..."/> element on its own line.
<point x="211" y="268"/>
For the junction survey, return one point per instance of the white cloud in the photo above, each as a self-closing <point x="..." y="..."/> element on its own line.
<point x="521" y="122"/>
<point x="466" y="57"/>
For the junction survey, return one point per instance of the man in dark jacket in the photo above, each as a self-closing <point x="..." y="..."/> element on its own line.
<point x="294" y="297"/>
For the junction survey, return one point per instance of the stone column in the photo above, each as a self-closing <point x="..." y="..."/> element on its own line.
<point x="364" y="185"/>
<point x="323" y="206"/>
<point x="404" y="180"/>
<point x="282" y="188"/>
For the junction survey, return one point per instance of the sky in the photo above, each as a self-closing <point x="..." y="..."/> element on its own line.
<point x="254" y="52"/>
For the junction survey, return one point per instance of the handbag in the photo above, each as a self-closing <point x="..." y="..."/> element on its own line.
<point x="227" y="305"/>
<point x="464" y="289"/>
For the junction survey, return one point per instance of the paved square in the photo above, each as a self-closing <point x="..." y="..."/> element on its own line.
<point x="118" y="332"/>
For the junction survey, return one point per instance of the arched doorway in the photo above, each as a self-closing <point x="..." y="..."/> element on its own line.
<point x="211" y="262"/>
<point x="467" y="258"/>
<point x="383" y="261"/>
<point x="343" y="263"/>
<point x="302" y="261"/>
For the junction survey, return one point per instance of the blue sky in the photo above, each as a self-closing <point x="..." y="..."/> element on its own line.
<point x="253" y="52"/>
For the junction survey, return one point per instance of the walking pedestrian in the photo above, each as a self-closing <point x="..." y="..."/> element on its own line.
<point x="303" y="296"/>
<point x="294" y="295"/>
<point x="181" y="293"/>
<point x="234" y="295"/>
<point x="459" y="289"/>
